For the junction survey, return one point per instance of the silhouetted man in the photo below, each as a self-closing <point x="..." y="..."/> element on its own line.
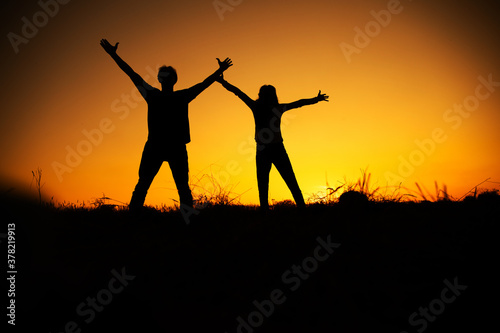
<point x="168" y="126"/>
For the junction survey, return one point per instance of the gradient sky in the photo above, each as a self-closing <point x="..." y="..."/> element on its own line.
<point x="391" y="103"/>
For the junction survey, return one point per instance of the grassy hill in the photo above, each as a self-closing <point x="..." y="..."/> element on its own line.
<point x="351" y="266"/>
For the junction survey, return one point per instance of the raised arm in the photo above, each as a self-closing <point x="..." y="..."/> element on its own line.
<point x="306" y="101"/>
<point x="247" y="100"/>
<point x="198" y="88"/>
<point x="142" y="85"/>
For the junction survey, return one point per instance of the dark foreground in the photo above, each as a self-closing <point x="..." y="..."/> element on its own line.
<point x="390" y="267"/>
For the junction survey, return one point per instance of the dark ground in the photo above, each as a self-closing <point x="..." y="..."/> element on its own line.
<point x="393" y="259"/>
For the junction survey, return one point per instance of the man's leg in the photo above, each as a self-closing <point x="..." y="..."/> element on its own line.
<point x="178" y="161"/>
<point x="284" y="166"/>
<point x="263" y="162"/>
<point x="151" y="162"/>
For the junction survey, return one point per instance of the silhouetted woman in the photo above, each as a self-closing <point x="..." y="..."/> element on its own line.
<point x="267" y="112"/>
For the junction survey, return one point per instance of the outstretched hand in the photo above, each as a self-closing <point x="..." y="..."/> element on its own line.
<point x="110" y="49"/>
<point x="322" y="97"/>
<point x="224" y="64"/>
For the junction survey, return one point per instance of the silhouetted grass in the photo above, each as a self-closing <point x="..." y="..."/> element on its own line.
<point x="396" y="250"/>
<point x="201" y="277"/>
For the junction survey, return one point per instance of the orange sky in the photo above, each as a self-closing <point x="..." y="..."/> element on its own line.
<point x="393" y="91"/>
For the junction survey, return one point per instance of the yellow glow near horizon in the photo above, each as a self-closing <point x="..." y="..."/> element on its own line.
<point x="393" y="93"/>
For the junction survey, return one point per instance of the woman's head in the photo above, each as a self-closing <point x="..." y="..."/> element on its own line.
<point x="267" y="95"/>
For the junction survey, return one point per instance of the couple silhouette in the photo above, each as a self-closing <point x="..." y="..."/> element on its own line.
<point x="168" y="126"/>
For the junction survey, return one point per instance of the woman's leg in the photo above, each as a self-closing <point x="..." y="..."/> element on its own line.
<point x="263" y="162"/>
<point x="284" y="166"/>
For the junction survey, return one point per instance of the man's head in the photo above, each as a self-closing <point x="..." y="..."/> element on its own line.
<point x="167" y="75"/>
